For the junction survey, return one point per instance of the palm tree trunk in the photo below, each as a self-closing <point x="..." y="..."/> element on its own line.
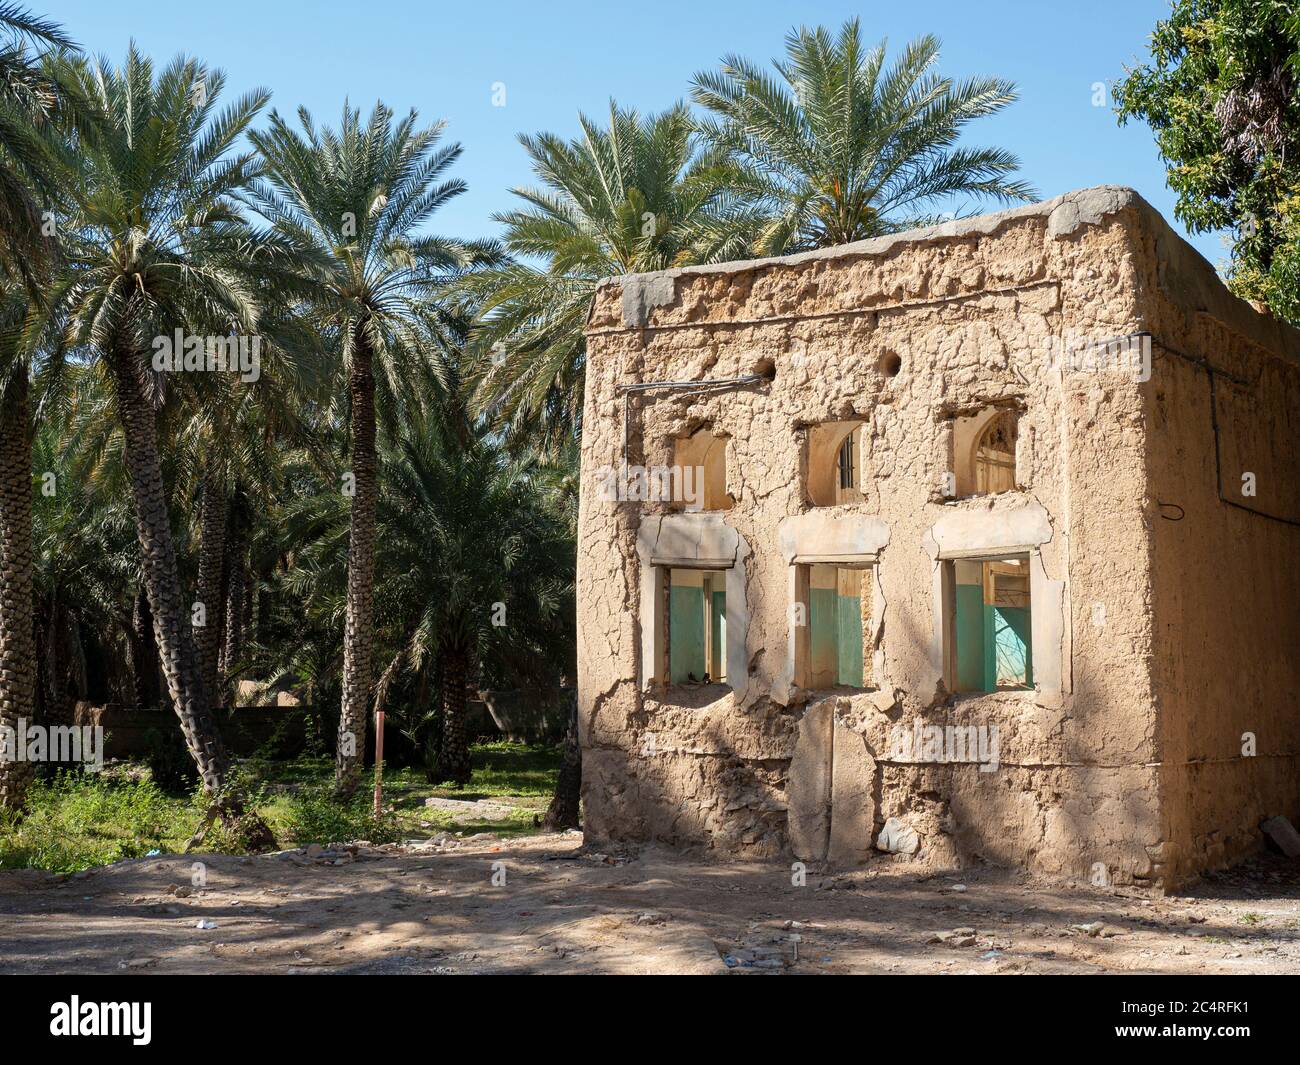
<point x="453" y="758"/>
<point x="171" y="623"/>
<point x="358" y="633"/>
<point x="563" y="811"/>
<point x="41" y="624"/>
<point x="234" y="608"/>
<point x="212" y="553"/>
<point x="17" y="636"/>
<point x="252" y="608"/>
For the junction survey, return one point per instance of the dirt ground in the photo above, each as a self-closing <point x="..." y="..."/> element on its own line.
<point x="434" y="908"/>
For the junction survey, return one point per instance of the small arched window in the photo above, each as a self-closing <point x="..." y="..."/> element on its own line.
<point x="700" y="471"/>
<point x="833" y="463"/>
<point x="995" y="455"/>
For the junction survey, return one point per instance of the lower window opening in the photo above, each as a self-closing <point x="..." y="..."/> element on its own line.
<point x="839" y="626"/>
<point x="991" y="626"/>
<point x="697" y="626"/>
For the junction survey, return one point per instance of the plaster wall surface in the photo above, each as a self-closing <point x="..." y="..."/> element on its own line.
<point x="904" y="334"/>
<point x="1223" y="411"/>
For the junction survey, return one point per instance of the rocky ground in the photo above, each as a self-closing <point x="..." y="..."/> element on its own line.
<point x="545" y="904"/>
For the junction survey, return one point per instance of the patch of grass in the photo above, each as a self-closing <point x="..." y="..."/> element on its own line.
<point x="76" y="820"/>
<point x="515" y="769"/>
<point x="1251" y="919"/>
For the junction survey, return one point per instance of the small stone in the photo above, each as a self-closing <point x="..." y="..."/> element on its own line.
<point x="898" y="837"/>
<point x="203" y="924"/>
<point x="1283" y="833"/>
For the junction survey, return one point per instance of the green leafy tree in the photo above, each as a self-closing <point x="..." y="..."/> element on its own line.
<point x="838" y="147"/>
<point x="353" y="202"/>
<point x="474" y="573"/>
<point x="155" y="242"/>
<point x="1221" y="91"/>
<point x="635" y="195"/>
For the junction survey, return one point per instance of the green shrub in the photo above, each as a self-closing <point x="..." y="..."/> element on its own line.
<point x="316" y="816"/>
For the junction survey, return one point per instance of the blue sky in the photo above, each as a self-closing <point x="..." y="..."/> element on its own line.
<point x="555" y="58"/>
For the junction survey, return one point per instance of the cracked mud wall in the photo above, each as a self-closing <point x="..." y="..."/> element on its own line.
<point x="967" y="310"/>
<point x="1223" y="409"/>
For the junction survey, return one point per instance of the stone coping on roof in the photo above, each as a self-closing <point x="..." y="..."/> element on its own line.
<point x="1184" y="274"/>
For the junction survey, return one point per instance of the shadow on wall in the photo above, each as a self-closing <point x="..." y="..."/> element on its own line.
<point x="1079" y="819"/>
<point x="688" y="787"/>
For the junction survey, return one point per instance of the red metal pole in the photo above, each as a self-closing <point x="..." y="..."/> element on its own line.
<point x="379" y="761"/>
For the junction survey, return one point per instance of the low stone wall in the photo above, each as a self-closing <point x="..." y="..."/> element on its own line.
<point x="282" y="731"/>
<point x="528" y="715"/>
<point x="131" y="732"/>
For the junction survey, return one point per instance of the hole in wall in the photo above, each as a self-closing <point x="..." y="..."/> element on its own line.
<point x="890" y="364"/>
<point x="764" y="368"/>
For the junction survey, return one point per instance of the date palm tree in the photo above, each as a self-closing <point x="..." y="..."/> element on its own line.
<point x="156" y="243"/>
<point x="475" y="564"/>
<point x="35" y="106"/>
<point x="17" y="636"/>
<point x="838" y="147"/>
<point x="354" y="201"/>
<point x="480" y="570"/>
<point x="87" y="570"/>
<point x="36" y="112"/>
<point x="228" y="447"/>
<point x="634" y="195"/>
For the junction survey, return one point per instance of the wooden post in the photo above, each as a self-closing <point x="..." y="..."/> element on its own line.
<point x="379" y="761"/>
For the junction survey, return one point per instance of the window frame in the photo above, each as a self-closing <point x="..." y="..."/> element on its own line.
<point x="983" y="464"/>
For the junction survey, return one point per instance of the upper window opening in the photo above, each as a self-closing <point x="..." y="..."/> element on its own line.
<point x="984" y="452"/>
<point x="700" y="472"/>
<point x="835" y="465"/>
<point x="995" y="455"/>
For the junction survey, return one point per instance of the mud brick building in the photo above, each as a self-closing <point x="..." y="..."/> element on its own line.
<point x="980" y="540"/>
